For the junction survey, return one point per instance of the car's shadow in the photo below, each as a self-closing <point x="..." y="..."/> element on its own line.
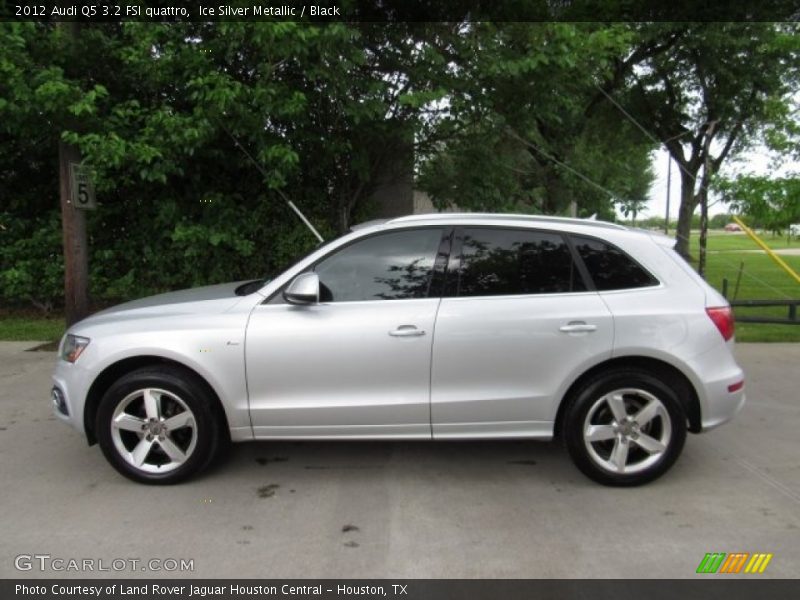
<point x="467" y="458"/>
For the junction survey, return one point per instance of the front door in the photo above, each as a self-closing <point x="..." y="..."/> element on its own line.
<point x="358" y="363"/>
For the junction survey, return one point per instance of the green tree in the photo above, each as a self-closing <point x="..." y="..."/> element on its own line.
<point x="523" y="128"/>
<point x="155" y="110"/>
<point x="719" y="221"/>
<point x="709" y="92"/>
<point x="770" y="203"/>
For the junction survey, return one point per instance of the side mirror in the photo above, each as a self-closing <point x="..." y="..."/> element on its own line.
<point x="304" y="289"/>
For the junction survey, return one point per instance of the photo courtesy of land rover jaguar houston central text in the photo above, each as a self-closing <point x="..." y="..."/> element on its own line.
<point x="427" y="327"/>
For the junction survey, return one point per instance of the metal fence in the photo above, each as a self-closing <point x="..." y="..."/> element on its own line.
<point x="790" y="304"/>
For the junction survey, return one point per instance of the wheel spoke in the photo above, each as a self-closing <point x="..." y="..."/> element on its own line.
<point x="650" y="444"/>
<point x="129" y="423"/>
<point x="175" y="454"/>
<point x="619" y="455"/>
<point x="616" y="403"/>
<point x="599" y="433"/>
<point x="152" y="404"/>
<point x="648" y="413"/>
<point x="141" y="451"/>
<point x="184" y="419"/>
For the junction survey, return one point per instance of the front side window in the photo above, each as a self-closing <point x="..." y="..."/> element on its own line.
<point x="610" y="267"/>
<point x="389" y="266"/>
<point x="516" y="261"/>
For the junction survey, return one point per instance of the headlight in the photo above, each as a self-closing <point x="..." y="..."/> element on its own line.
<point x="73" y="346"/>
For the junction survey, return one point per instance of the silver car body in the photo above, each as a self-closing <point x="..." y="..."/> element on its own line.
<point x="428" y="368"/>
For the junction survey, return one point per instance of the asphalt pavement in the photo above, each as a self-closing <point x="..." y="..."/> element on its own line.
<point x="400" y="510"/>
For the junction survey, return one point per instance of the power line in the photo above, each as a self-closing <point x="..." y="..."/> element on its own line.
<point x="627" y="114"/>
<point x="511" y="133"/>
<point x="646" y="132"/>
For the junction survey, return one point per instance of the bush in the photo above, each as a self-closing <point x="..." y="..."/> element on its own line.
<point x="31" y="262"/>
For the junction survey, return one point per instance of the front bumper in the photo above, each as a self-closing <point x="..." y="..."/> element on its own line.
<point x="72" y="383"/>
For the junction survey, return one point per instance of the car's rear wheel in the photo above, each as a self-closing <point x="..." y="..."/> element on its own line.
<point x="157" y="425"/>
<point x="626" y="427"/>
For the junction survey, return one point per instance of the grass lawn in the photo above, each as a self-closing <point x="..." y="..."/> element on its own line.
<point x="761" y="279"/>
<point x="30" y="328"/>
<point x="722" y="241"/>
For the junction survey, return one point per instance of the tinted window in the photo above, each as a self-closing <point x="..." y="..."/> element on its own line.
<point x="610" y="267"/>
<point x="389" y="266"/>
<point x="514" y="261"/>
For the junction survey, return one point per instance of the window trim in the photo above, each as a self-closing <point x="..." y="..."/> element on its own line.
<point x="436" y="277"/>
<point x="452" y="287"/>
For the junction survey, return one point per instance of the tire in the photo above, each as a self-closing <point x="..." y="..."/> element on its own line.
<point x="158" y="425"/>
<point x="624" y="428"/>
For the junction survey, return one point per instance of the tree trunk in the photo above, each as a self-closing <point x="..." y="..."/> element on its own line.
<point x="76" y="252"/>
<point x="343" y="224"/>
<point x="684" y="225"/>
<point x="703" y="193"/>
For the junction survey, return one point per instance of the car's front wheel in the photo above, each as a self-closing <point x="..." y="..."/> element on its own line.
<point x="157" y="425"/>
<point x="626" y="427"/>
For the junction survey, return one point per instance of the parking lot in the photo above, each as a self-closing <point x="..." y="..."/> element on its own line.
<point x="405" y="510"/>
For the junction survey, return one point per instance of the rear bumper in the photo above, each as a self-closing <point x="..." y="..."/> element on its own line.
<point x="724" y="409"/>
<point x="720" y="388"/>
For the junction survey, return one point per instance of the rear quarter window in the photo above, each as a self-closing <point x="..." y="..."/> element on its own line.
<point x="609" y="267"/>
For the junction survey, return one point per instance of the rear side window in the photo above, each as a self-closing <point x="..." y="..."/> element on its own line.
<point x="609" y="267"/>
<point x="515" y="261"/>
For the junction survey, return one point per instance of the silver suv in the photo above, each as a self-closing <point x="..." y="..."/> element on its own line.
<point x="429" y="327"/>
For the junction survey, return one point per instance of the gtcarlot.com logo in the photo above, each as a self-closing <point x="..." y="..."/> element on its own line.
<point x="46" y="562"/>
<point x="736" y="562"/>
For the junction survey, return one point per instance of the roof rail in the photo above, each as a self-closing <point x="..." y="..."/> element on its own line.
<point x="366" y="224"/>
<point x="506" y="217"/>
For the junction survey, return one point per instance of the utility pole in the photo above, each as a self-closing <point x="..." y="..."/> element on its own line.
<point x="669" y="189"/>
<point x="701" y="263"/>
<point x="73" y="222"/>
<point x="573" y="209"/>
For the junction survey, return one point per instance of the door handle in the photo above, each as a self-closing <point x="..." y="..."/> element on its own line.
<point x="407" y="331"/>
<point x="577" y="327"/>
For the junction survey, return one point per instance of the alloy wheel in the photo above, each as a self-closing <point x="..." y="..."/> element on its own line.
<point x="627" y="431"/>
<point x="154" y="430"/>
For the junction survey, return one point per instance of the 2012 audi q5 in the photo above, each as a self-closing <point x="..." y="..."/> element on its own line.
<point x="428" y="327"/>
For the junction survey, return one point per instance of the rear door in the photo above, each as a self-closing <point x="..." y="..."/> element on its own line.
<point x="517" y="320"/>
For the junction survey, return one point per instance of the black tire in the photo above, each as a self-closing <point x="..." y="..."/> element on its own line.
<point x="176" y="392"/>
<point x="662" y="437"/>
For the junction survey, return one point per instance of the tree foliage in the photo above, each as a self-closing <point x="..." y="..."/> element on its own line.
<point x="711" y="90"/>
<point x="769" y="203"/>
<point x="159" y="111"/>
<point x="523" y="128"/>
<point x="499" y="116"/>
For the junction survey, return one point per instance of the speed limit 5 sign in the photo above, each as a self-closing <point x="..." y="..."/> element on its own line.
<point x="82" y="189"/>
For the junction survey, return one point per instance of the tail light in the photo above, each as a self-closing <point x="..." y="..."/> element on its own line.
<point x="723" y="319"/>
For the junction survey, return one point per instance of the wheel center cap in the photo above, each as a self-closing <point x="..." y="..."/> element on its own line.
<point x="155" y="428"/>
<point x="627" y="428"/>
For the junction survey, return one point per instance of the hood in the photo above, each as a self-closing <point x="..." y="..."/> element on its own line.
<point x="209" y="299"/>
